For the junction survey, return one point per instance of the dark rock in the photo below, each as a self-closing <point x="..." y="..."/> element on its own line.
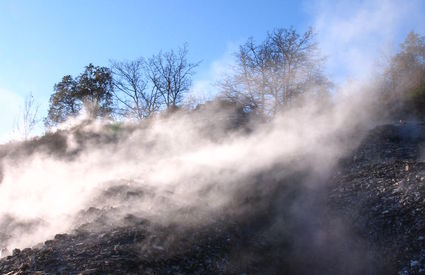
<point x="16" y="251"/>
<point x="376" y="195"/>
<point x="61" y="236"/>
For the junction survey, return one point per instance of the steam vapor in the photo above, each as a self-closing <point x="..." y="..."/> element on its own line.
<point x="186" y="162"/>
<point x="190" y="168"/>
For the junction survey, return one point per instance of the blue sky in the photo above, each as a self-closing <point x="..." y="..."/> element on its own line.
<point x="41" y="41"/>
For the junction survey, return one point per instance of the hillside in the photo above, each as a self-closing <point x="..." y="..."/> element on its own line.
<point x="367" y="217"/>
<point x="380" y="192"/>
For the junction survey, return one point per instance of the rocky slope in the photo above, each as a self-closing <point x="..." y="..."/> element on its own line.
<point x="380" y="192"/>
<point x="369" y="218"/>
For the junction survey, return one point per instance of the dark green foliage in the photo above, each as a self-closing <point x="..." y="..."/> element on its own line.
<point x="95" y="86"/>
<point x="62" y="101"/>
<point x="92" y="88"/>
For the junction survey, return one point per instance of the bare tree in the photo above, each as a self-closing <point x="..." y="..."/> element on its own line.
<point x="139" y="99"/>
<point x="171" y="75"/>
<point x="273" y="73"/>
<point x="294" y="55"/>
<point x="28" y="118"/>
<point x="256" y="73"/>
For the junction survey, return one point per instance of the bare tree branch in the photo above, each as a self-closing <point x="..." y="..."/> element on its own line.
<point x="171" y="75"/>
<point x="28" y="119"/>
<point x="131" y="89"/>
<point x="271" y="74"/>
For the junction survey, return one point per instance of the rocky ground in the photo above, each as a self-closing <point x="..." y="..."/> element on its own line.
<point x="380" y="192"/>
<point x="376" y="199"/>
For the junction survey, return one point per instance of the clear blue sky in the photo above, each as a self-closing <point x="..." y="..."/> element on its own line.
<point x="41" y="41"/>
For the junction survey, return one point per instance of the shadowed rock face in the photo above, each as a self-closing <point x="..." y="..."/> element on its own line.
<point x="380" y="193"/>
<point x="368" y="219"/>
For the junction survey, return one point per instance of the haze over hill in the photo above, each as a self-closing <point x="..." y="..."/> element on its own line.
<point x="136" y="174"/>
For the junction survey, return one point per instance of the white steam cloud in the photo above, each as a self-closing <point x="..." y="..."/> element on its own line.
<point x="176" y="159"/>
<point x="185" y="162"/>
<point x="355" y="36"/>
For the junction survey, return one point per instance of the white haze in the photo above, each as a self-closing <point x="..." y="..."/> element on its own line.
<point x="177" y="162"/>
<point x="355" y="36"/>
<point x="181" y="166"/>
